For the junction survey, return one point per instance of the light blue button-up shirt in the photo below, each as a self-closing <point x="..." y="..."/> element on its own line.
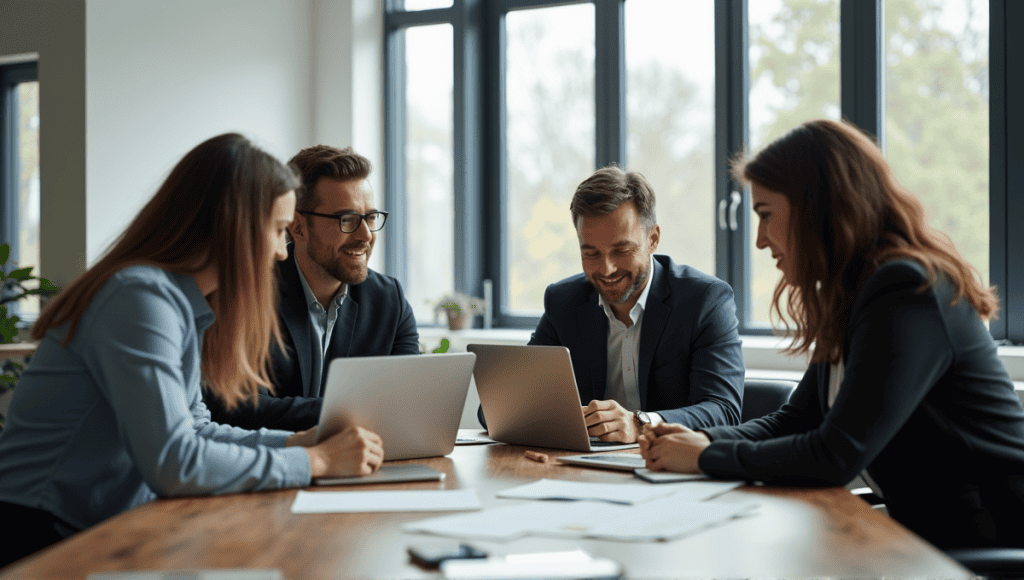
<point x="320" y="330"/>
<point x="116" y="418"/>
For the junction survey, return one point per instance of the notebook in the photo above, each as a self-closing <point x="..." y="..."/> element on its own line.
<point x="414" y="402"/>
<point x="529" y="397"/>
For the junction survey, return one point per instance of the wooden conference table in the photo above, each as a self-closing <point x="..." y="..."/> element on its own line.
<point x="796" y="533"/>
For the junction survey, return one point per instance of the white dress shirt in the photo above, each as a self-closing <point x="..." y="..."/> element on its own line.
<point x="622" y="382"/>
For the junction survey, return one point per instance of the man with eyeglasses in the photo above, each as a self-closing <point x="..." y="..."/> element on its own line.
<point x="331" y="303"/>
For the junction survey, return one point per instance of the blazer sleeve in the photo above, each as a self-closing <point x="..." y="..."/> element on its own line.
<point x="545" y="333"/>
<point x="284" y="413"/>
<point x="716" y="365"/>
<point x="898" y="348"/>
<point x="802" y="413"/>
<point x="407" y="338"/>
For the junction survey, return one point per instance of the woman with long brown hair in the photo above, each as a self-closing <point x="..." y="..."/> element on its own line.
<point x="109" y="414"/>
<point x="904" y="384"/>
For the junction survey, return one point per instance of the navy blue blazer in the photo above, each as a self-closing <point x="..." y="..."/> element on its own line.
<point x="691" y="363"/>
<point x="375" y="319"/>
<point x="925" y="406"/>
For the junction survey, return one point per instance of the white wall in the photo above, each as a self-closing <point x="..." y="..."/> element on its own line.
<point x="163" y="76"/>
<point x="55" y="31"/>
<point x="348" y="86"/>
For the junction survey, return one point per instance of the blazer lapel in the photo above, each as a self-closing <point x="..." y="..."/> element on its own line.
<point x="656" y="315"/>
<point x="344" y="328"/>
<point x="593" y="325"/>
<point x="295" y="313"/>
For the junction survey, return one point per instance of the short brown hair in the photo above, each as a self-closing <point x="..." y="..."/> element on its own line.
<point x="318" y="161"/>
<point x="848" y="215"/>
<point x="610" y="187"/>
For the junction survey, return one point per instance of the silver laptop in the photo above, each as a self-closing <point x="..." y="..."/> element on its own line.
<point x="529" y="397"/>
<point x="414" y="402"/>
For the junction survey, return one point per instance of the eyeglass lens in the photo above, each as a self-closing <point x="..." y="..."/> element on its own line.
<point x="350" y="221"/>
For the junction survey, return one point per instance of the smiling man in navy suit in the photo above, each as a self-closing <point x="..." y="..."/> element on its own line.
<point x="331" y="303"/>
<point x="650" y="340"/>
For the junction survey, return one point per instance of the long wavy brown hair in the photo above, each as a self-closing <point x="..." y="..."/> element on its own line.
<point x="848" y="215"/>
<point x="213" y="209"/>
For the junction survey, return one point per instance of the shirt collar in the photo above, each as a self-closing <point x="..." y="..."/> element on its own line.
<point x="641" y="303"/>
<point x="310" y="297"/>
<point x="200" y="307"/>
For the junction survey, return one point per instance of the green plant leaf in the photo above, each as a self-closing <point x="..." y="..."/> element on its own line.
<point x="7" y="326"/>
<point x="443" y="348"/>
<point x="5" y="252"/>
<point x="21" y="274"/>
<point x="48" y="286"/>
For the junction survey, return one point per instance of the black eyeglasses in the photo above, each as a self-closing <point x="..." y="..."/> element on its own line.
<point x="349" y="221"/>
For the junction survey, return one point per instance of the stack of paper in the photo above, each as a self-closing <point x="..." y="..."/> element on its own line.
<point x="313" y="502"/>
<point x="659" y="519"/>
<point x="625" y="493"/>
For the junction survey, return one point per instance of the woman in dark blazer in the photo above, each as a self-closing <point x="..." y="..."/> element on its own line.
<point x="904" y="384"/>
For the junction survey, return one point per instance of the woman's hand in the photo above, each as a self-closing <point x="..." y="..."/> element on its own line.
<point x="354" y="451"/>
<point x="305" y="438"/>
<point x="671" y="447"/>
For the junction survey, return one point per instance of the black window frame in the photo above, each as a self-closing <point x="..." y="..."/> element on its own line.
<point x="479" y="139"/>
<point x="11" y="75"/>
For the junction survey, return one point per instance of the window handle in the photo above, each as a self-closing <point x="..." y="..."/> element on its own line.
<point x="737" y="199"/>
<point x="721" y="214"/>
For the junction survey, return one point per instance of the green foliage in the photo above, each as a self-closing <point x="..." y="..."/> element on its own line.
<point x="936" y="108"/>
<point x="14" y="286"/>
<point x="443" y="348"/>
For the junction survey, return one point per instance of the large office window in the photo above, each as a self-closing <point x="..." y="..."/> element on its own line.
<point x="549" y="99"/>
<point x="937" y="114"/>
<point x="794" y="76"/>
<point x="19" y="173"/>
<point x="670" y="119"/>
<point x="547" y="91"/>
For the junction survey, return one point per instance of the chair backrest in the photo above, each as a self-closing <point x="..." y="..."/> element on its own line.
<point x="763" y="396"/>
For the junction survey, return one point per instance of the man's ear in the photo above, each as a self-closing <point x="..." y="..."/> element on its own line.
<point x="655" y="237"/>
<point x="297" y="229"/>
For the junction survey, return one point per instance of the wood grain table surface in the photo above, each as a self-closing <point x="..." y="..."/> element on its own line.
<point x="796" y="533"/>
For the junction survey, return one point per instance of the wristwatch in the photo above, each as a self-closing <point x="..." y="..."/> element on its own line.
<point x="641" y="419"/>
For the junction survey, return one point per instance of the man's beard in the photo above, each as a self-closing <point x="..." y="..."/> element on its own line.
<point x="638" y="282"/>
<point x="333" y="263"/>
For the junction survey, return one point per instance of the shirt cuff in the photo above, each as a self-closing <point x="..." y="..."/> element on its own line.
<point x="274" y="437"/>
<point x="655" y="418"/>
<point x="297" y="470"/>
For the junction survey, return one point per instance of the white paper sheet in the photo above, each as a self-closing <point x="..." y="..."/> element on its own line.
<point x="314" y="502"/>
<point x="659" y="519"/>
<point x="624" y="493"/>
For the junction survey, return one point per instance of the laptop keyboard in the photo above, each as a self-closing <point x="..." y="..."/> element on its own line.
<point x="595" y="442"/>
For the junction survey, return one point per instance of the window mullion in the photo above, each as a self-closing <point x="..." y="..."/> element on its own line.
<point x="731" y="88"/>
<point x="610" y="83"/>
<point x="862" y="80"/>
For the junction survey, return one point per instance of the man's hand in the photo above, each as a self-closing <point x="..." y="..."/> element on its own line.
<point x="609" y="421"/>
<point x="670" y="447"/>
<point x="305" y="438"/>
<point x="354" y="451"/>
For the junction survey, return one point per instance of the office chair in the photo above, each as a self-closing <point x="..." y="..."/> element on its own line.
<point x="763" y="396"/>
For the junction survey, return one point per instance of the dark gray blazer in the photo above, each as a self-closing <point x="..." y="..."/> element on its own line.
<point x="925" y="405"/>
<point x="691" y="363"/>
<point x="375" y="319"/>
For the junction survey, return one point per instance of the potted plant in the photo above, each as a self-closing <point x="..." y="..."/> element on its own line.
<point x="459" y="308"/>
<point x="13" y="287"/>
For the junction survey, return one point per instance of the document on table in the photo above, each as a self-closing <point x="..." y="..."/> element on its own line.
<point x="625" y="493"/>
<point x="315" y="502"/>
<point x="659" y="519"/>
